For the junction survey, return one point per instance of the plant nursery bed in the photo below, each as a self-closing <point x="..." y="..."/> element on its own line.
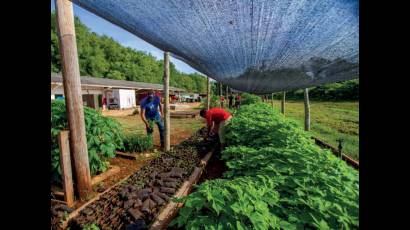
<point x="140" y="199"/>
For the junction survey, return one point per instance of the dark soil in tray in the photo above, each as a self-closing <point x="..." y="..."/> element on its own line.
<point x="215" y="167"/>
<point x="140" y="198"/>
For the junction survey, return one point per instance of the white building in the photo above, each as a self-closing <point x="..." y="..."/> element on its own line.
<point x="118" y="94"/>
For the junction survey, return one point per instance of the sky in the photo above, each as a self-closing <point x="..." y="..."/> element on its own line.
<point x="103" y="27"/>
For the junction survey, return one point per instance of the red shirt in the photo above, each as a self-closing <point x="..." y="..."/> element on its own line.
<point x="216" y="115"/>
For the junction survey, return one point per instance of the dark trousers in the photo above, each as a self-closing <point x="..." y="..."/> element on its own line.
<point x="160" y="124"/>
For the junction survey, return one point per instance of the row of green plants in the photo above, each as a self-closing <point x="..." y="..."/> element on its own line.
<point x="277" y="178"/>
<point x="248" y="99"/>
<point x="137" y="143"/>
<point x="104" y="136"/>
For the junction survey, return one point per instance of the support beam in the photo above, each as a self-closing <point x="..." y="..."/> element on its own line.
<point x="73" y="95"/>
<point x="167" y="134"/>
<point x="307" y="109"/>
<point x="283" y="102"/>
<point x="208" y="94"/>
<point x="65" y="166"/>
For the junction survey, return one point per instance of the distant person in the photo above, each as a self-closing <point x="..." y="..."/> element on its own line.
<point x="216" y="119"/>
<point x="104" y="102"/>
<point x="238" y="101"/>
<point x="222" y="101"/>
<point x="230" y="101"/>
<point x="150" y="114"/>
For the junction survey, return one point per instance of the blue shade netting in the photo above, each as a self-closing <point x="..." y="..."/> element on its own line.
<point x="260" y="46"/>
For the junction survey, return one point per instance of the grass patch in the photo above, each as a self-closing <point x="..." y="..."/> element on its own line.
<point x="180" y="127"/>
<point x="329" y="121"/>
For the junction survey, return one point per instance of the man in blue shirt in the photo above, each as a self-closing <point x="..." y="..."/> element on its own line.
<point x="150" y="114"/>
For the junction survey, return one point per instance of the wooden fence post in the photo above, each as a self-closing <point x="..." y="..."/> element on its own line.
<point x="208" y="94"/>
<point x="307" y="110"/>
<point x="167" y="133"/>
<point x="73" y="95"/>
<point x="65" y="164"/>
<point x="227" y="95"/>
<point x="272" y="101"/>
<point x="283" y="102"/>
<point x="220" y="94"/>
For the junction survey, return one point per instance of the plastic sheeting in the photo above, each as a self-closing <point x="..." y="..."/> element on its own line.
<point x="259" y="46"/>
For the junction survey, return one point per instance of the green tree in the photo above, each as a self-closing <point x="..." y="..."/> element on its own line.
<point x="102" y="56"/>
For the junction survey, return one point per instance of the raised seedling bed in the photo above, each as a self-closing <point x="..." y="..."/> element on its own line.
<point x="171" y="209"/>
<point x="142" y="198"/>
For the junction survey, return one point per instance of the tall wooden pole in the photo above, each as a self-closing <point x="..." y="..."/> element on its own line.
<point x="283" y="102"/>
<point x="208" y="94"/>
<point x="307" y="110"/>
<point x="220" y="94"/>
<point x="73" y="95"/>
<point x="272" y="101"/>
<point x="167" y="141"/>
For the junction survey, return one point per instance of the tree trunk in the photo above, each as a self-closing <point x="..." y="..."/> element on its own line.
<point x="73" y="95"/>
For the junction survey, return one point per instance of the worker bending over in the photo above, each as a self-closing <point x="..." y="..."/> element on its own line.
<point x="216" y="119"/>
<point x="150" y="114"/>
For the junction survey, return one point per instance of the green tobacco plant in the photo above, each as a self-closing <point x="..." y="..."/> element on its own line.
<point x="248" y="99"/>
<point x="231" y="204"/>
<point x="258" y="125"/>
<point x="104" y="136"/>
<point x="137" y="143"/>
<point x="277" y="178"/>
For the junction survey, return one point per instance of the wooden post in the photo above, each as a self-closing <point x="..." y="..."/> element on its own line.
<point x="65" y="166"/>
<point x="220" y="94"/>
<point x="96" y="102"/>
<point x="283" y="102"/>
<point x="73" y="95"/>
<point x="208" y="94"/>
<point x="272" y="101"/>
<point x="167" y="133"/>
<point x="307" y="110"/>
